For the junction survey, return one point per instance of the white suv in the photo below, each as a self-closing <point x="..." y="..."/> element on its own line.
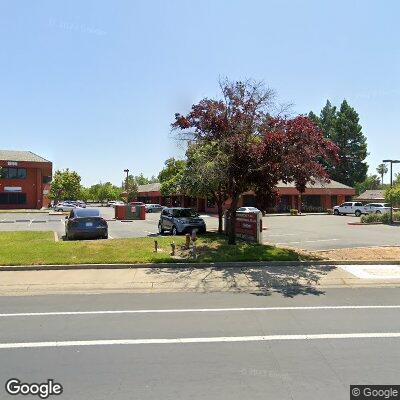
<point x="377" y="208"/>
<point x="350" y="207"/>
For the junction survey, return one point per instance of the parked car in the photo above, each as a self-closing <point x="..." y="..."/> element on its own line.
<point x="85" y="223"/>
<point x="79" y="203"/>
<point x="65" y="206"/>
<point x="136" y="203"/>
<point x="151" y="208"/>
<point x="180" y="220"/>
<point x="114" y="203"/>
<point x="248" y="210"/>
<point x="350" y="207"/>
<point x="377" y="208"/>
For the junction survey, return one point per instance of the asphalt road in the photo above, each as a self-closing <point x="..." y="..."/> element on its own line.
<point x="309" y="232"/>
<point x="141" y="350"/>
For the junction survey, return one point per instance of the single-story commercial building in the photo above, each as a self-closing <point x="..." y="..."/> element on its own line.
<point x="24" y="180"/>
<point x="318" y="197"/>
<point x="371" y="196"/>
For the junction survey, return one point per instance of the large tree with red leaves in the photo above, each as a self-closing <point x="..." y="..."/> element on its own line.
<point x="261" y="149"/>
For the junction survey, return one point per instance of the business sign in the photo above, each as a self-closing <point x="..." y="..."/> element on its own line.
<point x="12" y="163"/>
<point x="248" y="226"/>
<point x="12" y="189"/>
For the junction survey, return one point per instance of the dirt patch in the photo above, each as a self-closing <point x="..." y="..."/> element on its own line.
<point x="362" y="253"/>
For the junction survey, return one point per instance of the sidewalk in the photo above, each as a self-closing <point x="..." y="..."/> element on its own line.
<point x="288" y="280"/>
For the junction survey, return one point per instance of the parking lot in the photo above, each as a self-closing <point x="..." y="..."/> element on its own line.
<point x="309" y="232"/>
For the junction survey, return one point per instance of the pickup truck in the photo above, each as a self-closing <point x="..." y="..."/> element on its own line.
<point x="357" y="208"/>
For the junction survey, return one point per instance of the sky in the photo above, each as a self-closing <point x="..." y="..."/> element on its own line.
<point x="94" y="85"/>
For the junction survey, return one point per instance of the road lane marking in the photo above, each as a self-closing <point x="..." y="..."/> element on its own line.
<point x="197" y="310"/>
<point x="226" y="339"/>
<point x="282" y="234"/>
<point x="373" y="271"/>
<point x="310" y="241"/>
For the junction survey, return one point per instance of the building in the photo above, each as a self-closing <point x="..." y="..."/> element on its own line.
<point x="371" y="196"/>
<point x="24" y="180"/>
<point x="318" y="197"/>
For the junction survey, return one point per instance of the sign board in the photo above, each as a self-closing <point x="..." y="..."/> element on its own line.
<point x="248" y="226"/>
<point x="12" y="163"/>
<point x="12" y="189"/>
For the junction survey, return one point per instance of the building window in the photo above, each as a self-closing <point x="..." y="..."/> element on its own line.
<point x="13" y="173"/>
<point x="12" y="198"/>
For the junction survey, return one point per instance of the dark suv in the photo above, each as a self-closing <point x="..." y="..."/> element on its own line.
<point x="180" y="220"/>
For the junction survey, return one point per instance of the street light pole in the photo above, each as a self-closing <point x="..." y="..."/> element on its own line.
<point x="126" y="183"/>
<point x="391" y="183"/>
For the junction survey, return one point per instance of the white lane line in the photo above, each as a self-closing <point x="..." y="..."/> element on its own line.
<point x="310" y="241"/>
<point x="229" y="339"/>
<point x="197" y="310"/>
<point x="282" y="234"/>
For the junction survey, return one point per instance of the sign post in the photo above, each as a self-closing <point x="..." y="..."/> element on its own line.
<point x="248" y="226"/>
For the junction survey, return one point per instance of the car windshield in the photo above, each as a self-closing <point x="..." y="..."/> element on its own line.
<point x="87" y="212"/>
<point x="184" y="213"/>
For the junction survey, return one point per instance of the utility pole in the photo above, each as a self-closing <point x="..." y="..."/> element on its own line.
<point x="126" y="183"/>
<point x="391" y="183"/>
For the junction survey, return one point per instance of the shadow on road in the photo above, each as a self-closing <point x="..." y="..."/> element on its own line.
<point x="288" y="280"/>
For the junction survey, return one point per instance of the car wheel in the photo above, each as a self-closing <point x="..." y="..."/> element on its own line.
<point x="160" y="229"/>
<point x="378" y="212"/>
<point x="358" y="213"/>
<point x="174" y="231"/>
<point x="105" y="236"/>
<point x="149" y="211"/>
<point x="336" y="212"/>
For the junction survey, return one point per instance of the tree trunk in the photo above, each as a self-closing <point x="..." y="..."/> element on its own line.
<point x="299" y="210"/>
<point x="232" y="220"/>
<point x="220" y="215"/>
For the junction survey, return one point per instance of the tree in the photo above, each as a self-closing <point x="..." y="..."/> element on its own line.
<point x="204" y="175"/>
<point x="142" y="180"/>
<point x="170" y="177"/>
<point x="260" y="150"/>
<point x="382" y="169"/>
<point x="130" y="186"/>
<point x="392" y="195"/>
<point x="342" y="128"/>
<point x="396" y="180"/>
<point x="66" y="185"/>
<point x="372" y="182"/>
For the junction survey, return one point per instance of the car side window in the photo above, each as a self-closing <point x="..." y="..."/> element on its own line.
<point x="358" y="204"/>
<point x="71" y="214"/>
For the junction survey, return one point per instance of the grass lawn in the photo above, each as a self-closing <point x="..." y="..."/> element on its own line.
<point x="28" y="248"/>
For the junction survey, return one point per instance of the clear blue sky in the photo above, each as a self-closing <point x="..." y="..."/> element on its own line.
<point x="94" y="85"/>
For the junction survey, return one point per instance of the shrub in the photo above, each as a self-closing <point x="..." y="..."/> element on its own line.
<point x="293" y="211"/>
<point x="383" y="218"/>
<point x="371" y="218"/>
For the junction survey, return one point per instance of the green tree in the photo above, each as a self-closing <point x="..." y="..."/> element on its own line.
<point x="84" y="194"/>
<point x="205" y="175"/>
<point x="130" y="186"/>
<point x="171" y="176"/>
<point x="142" y="180"/>
<point x="392" y="195"/>
<point x="372" y="182"/>
<point x="343" y="128"/>
<point x="66" y="185"/>
<point x="382" y="169"/>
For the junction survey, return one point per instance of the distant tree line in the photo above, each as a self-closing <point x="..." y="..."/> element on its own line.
<point x="66" y="185"/>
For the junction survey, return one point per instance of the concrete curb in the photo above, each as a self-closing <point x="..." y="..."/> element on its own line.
<point x="248" y="264"/>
